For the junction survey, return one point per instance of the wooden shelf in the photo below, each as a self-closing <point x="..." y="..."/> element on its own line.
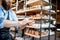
<point x="37" y="2"/>
<point x="35" y="34"/>
<point x="40" y="34"/>
<point x="38" y="9"/>
<point x="39" y="18"/>
<point x="33" y="18"/>
<point x="27" y="10"/>
<point x="32" y="35"/>
<point x="37" y="26"/>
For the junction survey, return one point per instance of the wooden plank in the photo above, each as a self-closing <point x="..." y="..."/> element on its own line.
<point x="37" y="2"/>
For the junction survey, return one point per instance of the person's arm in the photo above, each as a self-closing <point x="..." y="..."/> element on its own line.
<point x="8" y="23"/>
<point x="20" y="24"/>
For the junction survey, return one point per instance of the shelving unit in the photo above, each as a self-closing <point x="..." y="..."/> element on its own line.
<point x="39" y="10"/>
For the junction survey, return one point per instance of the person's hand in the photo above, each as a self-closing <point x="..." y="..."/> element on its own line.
<point x="25" y="22"/>
<point x="29" y="20"/>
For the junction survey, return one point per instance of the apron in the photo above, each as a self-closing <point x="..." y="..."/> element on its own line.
<point x="4" y="32"/>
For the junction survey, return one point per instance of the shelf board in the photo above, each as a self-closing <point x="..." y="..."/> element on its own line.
<point x="41" y="19"/>
<point x="32" y="35"/>
<point x="34" y="19"/>
<point x="27" y="10"/>
<point x="22" y="11"/>
<point x="44" y="26"/>
<point x="38" y="35"/>
<point x="44" y="19"/>
<point x="37" y="2"/>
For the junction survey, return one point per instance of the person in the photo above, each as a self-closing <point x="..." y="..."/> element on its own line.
<point x="8" y="19"/>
